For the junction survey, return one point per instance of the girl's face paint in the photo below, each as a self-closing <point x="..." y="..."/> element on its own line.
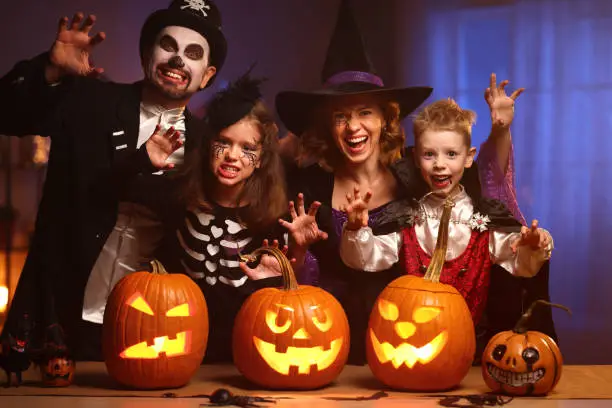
<point x="236" y="153"/>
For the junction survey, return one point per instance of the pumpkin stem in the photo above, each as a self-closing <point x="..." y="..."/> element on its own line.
<point x="434" y="270"/>
<point x="158" y="268"/>
<point x="289" y="279"/>
<point x="521" y="325"/>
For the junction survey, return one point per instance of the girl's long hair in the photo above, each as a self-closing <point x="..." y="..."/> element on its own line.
<point x="265" y="190"/>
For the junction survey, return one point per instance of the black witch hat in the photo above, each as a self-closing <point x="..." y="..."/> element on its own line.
<point x="347" y="71"/>
<point x="202" y="16"/>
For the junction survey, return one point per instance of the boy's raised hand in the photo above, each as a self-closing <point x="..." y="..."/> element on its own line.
<point x="357" y="210"/>
<point x="303" y="228"/>
<point x="534" y="237"/>
<point x="500" y="104"/>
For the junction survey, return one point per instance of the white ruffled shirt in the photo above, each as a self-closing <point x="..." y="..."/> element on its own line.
<point x="151" y="115"/>
<point x="362" y="250"/>
<point x="138" y="231"/>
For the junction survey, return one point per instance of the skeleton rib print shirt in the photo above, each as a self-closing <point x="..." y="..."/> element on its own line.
<point x="211" y="242"/>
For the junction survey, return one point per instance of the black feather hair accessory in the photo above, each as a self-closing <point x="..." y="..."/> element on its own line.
<point x="232" y="104"/>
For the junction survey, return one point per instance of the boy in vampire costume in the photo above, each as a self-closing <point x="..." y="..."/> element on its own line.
<point x="108" y="142"/>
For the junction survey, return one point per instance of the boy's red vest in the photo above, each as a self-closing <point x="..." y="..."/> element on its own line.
<point x="469" y="273"/>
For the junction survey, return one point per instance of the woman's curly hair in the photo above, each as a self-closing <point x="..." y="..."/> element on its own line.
<point x="318" y="142"/>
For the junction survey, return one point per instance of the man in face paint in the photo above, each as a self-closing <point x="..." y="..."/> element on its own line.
<point x="178" y="64"/>
<point x="109" y="142"/>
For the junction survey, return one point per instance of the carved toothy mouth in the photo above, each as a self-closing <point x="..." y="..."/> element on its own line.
<point x="301" y="357"/>
<point x="51" y="376"/>
<point x="170" y="347"/>
<point x="407" y="353"/>
<point x="513" y="379"/>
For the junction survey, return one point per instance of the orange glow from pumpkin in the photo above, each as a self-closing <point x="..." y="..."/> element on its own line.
<point x="405" y="329"/>
<point x="301" y="357"/>
<point x="137" y="302"/>
<point x="271" y="322"/>
<point x="406" y="353"/>
<point x="324" y="325"/>
<point x="425" y="314"/>
<point x="301" y="334"/>
<point x="388" y="310"/>
<point x="171" y="348"/>
<point x="179" y="311"/>
<point x="4" y="295"/>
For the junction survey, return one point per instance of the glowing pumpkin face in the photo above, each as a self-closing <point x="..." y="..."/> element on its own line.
<point x="296" y="338"/>
<point x="311" y="353"/>
<point x="406" y="353"/>
<point x="162" y="345"/>
<point x="155" y="330"/>
<point x="420" y="335"/>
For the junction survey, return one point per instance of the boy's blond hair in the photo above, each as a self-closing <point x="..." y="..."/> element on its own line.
<point x="445" y="114"/>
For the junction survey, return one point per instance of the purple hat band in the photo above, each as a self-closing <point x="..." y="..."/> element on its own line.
<point x="353" y="76"/>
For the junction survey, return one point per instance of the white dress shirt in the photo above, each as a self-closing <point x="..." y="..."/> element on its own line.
<point x="137" y="232"/>
<point x="362" y="250"/>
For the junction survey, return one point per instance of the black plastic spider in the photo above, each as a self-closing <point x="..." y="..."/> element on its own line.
<point x="474" y="401"/>
<point x="223" y="397"/>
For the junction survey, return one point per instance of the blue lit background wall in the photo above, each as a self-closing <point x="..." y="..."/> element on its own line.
<point x="561" y="51"/>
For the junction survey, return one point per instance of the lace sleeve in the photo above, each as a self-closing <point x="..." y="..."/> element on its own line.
<point x="526" y="262"/>
<point x="495" y="184"/>
<point x="364" y="251"/>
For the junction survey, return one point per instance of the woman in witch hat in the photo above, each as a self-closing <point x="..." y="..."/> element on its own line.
<point x="352" y="127"/>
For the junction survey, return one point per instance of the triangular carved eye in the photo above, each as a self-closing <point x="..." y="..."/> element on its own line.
<point x="388" y="310"/>
<point x="179" y="311"/>
<point x="137" y="302"/>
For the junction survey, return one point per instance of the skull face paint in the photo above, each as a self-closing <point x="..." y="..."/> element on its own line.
<point x="178" y="62"/>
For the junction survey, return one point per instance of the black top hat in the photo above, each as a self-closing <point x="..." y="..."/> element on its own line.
<point x="347" y="71"/>
<point x="202" y="16"/>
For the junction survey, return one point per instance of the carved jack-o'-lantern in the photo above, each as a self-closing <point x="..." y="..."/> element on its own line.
<point x="521" y="362"/>
<point x="296" y="337"/>
<point x="57" y="371"/>
<point x="155" y="329"/>
<point x="421" y="335"/>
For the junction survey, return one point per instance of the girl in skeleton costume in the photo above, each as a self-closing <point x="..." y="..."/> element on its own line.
<point x="233" y="195"/>
<point x="482" y="232"/>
